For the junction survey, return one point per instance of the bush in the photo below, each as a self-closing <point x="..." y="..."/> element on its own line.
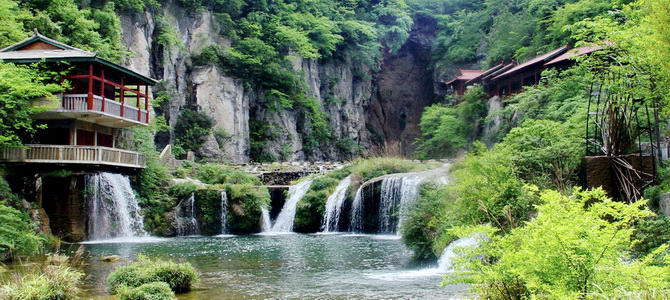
<point x="16" y="233"/>
<point x="311" y="208"/>
<point x="650" y="233"/>
<point x="192" y="129"/>
<point x="575" y="248"/>
<point x="147" y="291"/>
<point x="447" y="129"/>
<point x="421" y="228"/>
<point x="53" y="283"/>
<point x="179" y="277"/>
<point x="218" y="174"/>
<point x="245" y="203"/>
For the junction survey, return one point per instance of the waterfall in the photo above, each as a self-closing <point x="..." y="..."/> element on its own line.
<point x="112" y="207"/>
<point x="266" y="224"/>
<point x="356" y="224"/>
<point x="186" y="222"/>
<point x="224" y="212"/>
<point x="397" y="193"/>
<point x="389" y="201"/>
<point x="284" y="222"/>
<point x="334" y="204"/>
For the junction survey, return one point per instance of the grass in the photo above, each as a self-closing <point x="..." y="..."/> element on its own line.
<point x="53" y="283"/>
<point x="147" y="291"/>
<point x="179" y="277"/>
<point x="367" y="169"/>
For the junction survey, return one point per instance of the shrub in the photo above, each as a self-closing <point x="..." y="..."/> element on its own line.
<point x="192" y="129"/>
<point x="147" y="291"/>
<point x="422" y="226"/>
<point x="179" y="277"/>
<point x="576" y="246"/>
<point x="181" y="190"/>
<point x="53" y="283"/>
<point x="245" y="203"/>
<point x="366" y="169"/>
<point x="311" y="208"/>
<point x="650" y="233"/>
<point x="218" y="174"/>
<point x="16" y="233"/>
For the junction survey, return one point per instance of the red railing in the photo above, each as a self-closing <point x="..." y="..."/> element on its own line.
<point x="80" y="103"/>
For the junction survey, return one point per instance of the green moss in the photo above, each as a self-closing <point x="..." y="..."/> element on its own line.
<point x="366" y="169"/>
<point x="179" y="277"/>
<point x="220" y="174"/>
<point x="147" y="291"/>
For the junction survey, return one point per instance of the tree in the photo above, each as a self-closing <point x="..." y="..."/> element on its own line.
<point x="22" y="93"/>
<point x="576" y="248"/>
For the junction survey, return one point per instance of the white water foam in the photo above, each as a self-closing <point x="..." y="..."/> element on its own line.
<point x="112" y="208"/>
<point x="334" y="204"/>
<point x="284" y="222"/>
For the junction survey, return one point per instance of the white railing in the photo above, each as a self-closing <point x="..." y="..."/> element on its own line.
<point x="78" y="102"/>
<point x="73" y="155"/>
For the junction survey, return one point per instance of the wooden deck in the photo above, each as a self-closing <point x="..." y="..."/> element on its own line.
<point x="101" y="111"/>
<point x="57" y="154"/>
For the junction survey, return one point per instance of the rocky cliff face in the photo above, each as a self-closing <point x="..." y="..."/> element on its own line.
<point x="376" y="113"/>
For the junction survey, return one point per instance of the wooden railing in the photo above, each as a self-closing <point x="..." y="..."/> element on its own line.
<point x="78" y="102"/>
<point x="72" y="155"/>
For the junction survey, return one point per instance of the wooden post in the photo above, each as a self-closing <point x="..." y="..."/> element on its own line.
<point x="102" y="90"/>
<point x="89" y="101"/>
<point x="146" y="101"/>
<point x="139" y="110"/>
<point x="121" y="96"/>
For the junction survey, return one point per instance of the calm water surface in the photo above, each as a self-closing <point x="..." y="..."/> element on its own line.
<point x="293" y="266"/>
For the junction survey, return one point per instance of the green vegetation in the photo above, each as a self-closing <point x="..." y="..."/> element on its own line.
<point x="244" y="207"/>
<point x="191" y="131"/>
<point x="366" y="169"/>
<point x="147" y="291"/>
<point x="572" y="249"/>
<point x="311" y="208"/>
<point x="447" y="129"/>
<point x="49" y="283"/>
<point x="179" y="277"/>
<point x="21" y="88"/>
<point x="17" y="236"/>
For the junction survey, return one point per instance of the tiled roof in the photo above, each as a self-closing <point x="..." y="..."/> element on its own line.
<point x="540" y="59"/>
<point x="467" y="75"/>
<point x="579" y="51"/>
<point x="45" y="53"/>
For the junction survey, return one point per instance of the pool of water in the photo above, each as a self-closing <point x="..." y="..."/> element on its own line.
<point x="293" y="266"/>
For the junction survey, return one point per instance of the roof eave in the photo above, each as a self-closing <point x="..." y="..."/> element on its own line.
<point x="145" y="79"/>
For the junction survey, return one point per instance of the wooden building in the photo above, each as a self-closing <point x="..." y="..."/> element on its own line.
<point x="85" y="121"/>
<point x="506" y="79"/>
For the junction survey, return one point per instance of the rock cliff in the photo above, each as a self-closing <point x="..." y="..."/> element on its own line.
<point x="369" y="113"/>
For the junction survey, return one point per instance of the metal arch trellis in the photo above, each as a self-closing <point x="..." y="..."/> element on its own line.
<point x="619" y="123"/>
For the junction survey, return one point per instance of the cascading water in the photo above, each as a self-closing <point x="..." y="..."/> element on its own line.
<point x="451" y="252"/>
<point x="390" y="198"/>
<point x="266" y="223"/>
<point x="334" y="204"/>
<point x="112" y="208"/>
<point x="224" y="212"/>
<point x="397" y="193"/>
<point x="186" y="222"/>
<point x="356" y="224"/>
<point x="284" y="222"/>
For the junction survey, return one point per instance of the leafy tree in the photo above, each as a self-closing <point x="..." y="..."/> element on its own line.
<point x="573" y="249"/>
<point x="12" y="29"/>
<point x="447" y="129"/>
<point x="22" y="90"/>
<point x="191" y="129"/>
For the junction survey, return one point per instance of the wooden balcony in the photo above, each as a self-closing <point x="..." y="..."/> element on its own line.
<point x="82" y="155"/>
<point x="100" y="110"/>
